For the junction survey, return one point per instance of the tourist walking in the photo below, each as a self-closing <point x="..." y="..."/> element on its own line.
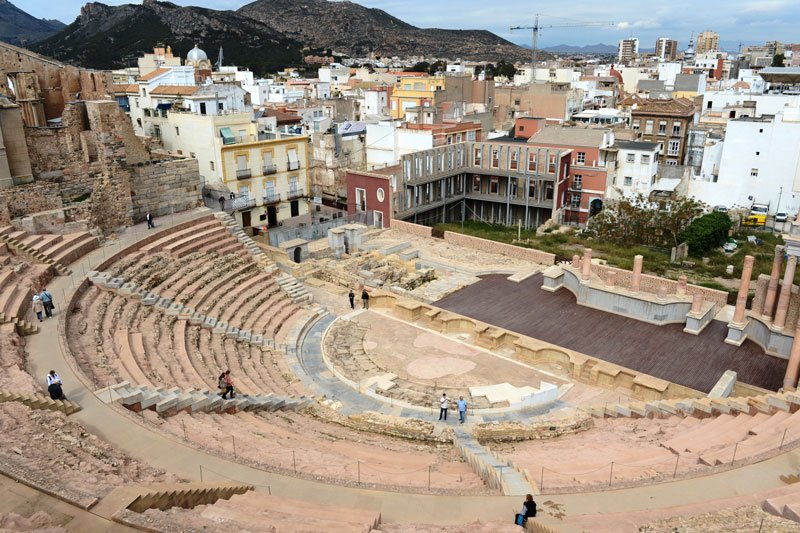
<point x="149" y="219"/>
<point x="228" y="386"/>
<point x="54" y="386"/>
<point x="462" y="408"/>
<point x="352" y="297"/>
<point x="38" y="307"/>
<point x="365" y="298"/>
<point x="47" y="302"/>
<point x="528" y="511"/>
<point x="221" y="384"/>
<point x="222" y="203"/>
<point x="444" y="405"/>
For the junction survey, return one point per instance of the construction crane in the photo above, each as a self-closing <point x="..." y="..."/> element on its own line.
<point x="535" y="34"/>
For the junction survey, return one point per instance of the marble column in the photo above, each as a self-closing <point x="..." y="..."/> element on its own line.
<point x="697" y="303"/>
<point x="611" y="279"/>
<point x="786" y="292"/>
<point x="586" y="267"/>
<point x="744" y="287"/>
<point x="636" y="279"/>
<point x="793" y="367"/>
<point x="682" y="282"/>
<point x="774" y="280"/>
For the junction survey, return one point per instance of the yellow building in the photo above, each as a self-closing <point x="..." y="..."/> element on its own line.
<point x="272" y="174"/>
<point x="413" y="91"/>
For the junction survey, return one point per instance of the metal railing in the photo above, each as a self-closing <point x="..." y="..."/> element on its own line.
<point x="293" y="165"/>
<point x="243" y="173"/>
<point x="273" y="198"/>
<point x="314" y="230"/>
<point x="294" y="193"/>
<point x="269" y="169"/>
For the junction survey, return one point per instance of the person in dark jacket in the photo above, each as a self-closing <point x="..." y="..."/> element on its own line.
<point x="528" y="511"/>
<point x="352" y="297"/>
<point x="365" y="298"/>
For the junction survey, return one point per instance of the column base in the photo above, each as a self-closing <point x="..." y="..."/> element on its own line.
<point x="736" y="334"/>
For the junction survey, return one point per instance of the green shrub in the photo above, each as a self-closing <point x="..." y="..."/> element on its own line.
<point x="706" y="233"/>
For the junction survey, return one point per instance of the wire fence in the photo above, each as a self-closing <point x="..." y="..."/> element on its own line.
<point x="720" y="456"/>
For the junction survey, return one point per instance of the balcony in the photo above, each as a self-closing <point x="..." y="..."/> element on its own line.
<point x="294" y="193"/>
<point x="269" y="169"/>
<point x="243" y="173"/>
<point x="272" y="198"/>
<point x="293" y="165"/>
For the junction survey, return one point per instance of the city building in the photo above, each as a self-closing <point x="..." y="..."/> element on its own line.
<point x="665" y="122"/>
<point x="628" y="50"/>
<point x="269" y="178"/>
<point x="414" y="91"/>
<point x="591" y="166"/>
<point x="760" y="162"/>
<point x="707" y="41"/>
<point x="370" y="191"/>
<point x="160" y="58"/>
<point x="636" y="169"/>
<point x="555" y="101"/>
<point x="388" y="141"/>
<point x="666" y="49"/>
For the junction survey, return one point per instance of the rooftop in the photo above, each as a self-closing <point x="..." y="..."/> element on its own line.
<point x="569" y="136"/>
<point x="173" y="90"/>
<point x="642" y="146"/>
<point x="152" y="75"/>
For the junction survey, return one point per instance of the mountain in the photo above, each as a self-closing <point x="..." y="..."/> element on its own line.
<point x="107" y="37"/>
<point x="264" y="35"/>
<point x="19" y="28"/>
<point x="598" y="48"/>
<point x="356" y="30"/>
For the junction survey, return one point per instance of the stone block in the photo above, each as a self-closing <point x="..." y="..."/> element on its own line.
<point x="257" y="339"/>
<point x="209" y="323"/>
<point x="197" y="319"/>
<point x="150" y="299"/>
<point x="186" y="313"/>
<point x="232" y="332"/>
<point x="164" y="303"/>
<point x="174" y="309"/>
<point x="128" y="289"/>
<point x="244" y="336"/>
<point x="220" y="328"/>
<point x="115" y="283"/>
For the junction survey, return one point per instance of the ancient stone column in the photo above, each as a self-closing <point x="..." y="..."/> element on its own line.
<point x="576" y="261"/>
<point x="793" y="368"/>
<point x="682" y="282"/>
<point x="586" y="267"/>
<point x="611" y="280"/>
<point x="636" y="279"/>
<point x="774" y="280"/>
<point x="697" y="303"/>
<point x="744" y="286"/>
<point x="786" y="292"/>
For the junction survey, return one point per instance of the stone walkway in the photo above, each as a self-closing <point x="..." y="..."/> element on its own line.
<point x="47" y="350"/>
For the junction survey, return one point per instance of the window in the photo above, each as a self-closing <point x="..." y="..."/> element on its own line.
<point x="381" y="195"/>
<point x="361" y="199"/>
<point x="512" y="187"/>
<point x="514" y="157"/>
<point x="221" y="106"/>
<point x="761" y="130"/>
<point x="136" y="102"/>
<point x="517" y="101"/>
<point x="636" y="125"/>
<point x="628" y="181"/>
<point x="575" y="201"/>
<point x="532" y="162"/>
<point x="645" y="159"/>
<point x="470" y="135"/>
<point x="674" y="148"/>
<point x="754" y="172"/>
<point x="672" y="163"/>
<point x="676" y="128"/>
<point x="648" y="127"/>
<point x="177" y="131"/>
<point x="630" y="158"/>
<point x="144" y="91"/>
<point x="477" y="156"/>
<point x="577" y="181"/>
<point x="449" y="139"/>
<point x="294" y="163"/>
<point x="662" y="127"/>
<point x="709" y="105"/>
<point x="211" y="165"/>
<point x="458" y="138"/>
<point x="494" y="186"/>
<point x="476" y="184"/>
<point x="495" y="158"/>
<point x="581" y="158"/>
<point x="548" y="191"/>
<point x="758" y="153"/>
<point x="532" y="189"/>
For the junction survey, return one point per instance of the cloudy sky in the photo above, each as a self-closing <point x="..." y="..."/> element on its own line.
<point x="748" y="21"/>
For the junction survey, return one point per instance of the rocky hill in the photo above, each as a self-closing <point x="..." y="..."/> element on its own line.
<point x="263" y="35"/>
<point x="356" y="30"/>
<point x="20" y="28"/>
<point x="107" y="37"/>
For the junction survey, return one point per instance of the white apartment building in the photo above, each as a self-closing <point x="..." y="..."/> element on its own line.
<point x="387" y="142"/>
<point x="637" y="166"/>
<point x="336" y="74"/>
<point x="376" y="102"/>
<point x="760" y="162"/>
<point x="628" y="49"/>
<point x="765" y="104"/>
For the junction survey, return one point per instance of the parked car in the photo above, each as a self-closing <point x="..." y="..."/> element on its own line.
<point x="730" y="246"/>
<point x="720" y="209"/>
<point x="781" y="216"/>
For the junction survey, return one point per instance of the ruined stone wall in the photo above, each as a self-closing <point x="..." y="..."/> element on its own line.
<point x="106" y="119"/>
<point x="24" y="199"/>
<point x="494" y="247"/>
<point x="58" y="83"/>
<point x="165" y="187"/>
<point x="412" y="229"/>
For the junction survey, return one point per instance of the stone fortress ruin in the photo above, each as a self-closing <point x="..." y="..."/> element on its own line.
<point x="618" y="399"/>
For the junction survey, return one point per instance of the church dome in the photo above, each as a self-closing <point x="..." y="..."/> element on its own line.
<point x="196" y="54"/>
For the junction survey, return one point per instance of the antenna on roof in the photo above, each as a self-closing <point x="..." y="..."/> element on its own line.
<point x="219" y="59"/>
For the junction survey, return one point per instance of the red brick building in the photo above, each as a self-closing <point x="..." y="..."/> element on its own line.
<point x="370" y="191"/>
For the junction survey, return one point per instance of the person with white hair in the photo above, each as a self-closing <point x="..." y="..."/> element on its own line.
<point x="38" y="307"/>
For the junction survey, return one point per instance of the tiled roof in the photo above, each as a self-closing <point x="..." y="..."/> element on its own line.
<point x="569" y="136"/>
<point x="674" y="107"/>
<point x="150" y="75"/>
<point x="125" y="88"/>
<point x="174" y="90"/>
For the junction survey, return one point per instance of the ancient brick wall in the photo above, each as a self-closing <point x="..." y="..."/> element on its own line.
<point x="165" y="187"/>
<point x="413" y="229"/>
<point x="493" y="247"/>
<point x="24" y="199"/>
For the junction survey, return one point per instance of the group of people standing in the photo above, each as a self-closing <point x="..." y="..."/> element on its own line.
<point x="444" y="406"/>
<point x="364" y="298"/>
<point x="43" y="303"/>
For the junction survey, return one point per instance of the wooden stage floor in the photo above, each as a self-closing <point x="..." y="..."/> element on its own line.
<point x="696" y="361"/>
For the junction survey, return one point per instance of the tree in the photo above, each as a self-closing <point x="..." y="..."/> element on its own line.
<point x="422" y="66"/>
<point x="706" y="233"/>
<point x="639" y="221"/>
<point x="438" y="66"/>
<point x="777" y="60"/>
